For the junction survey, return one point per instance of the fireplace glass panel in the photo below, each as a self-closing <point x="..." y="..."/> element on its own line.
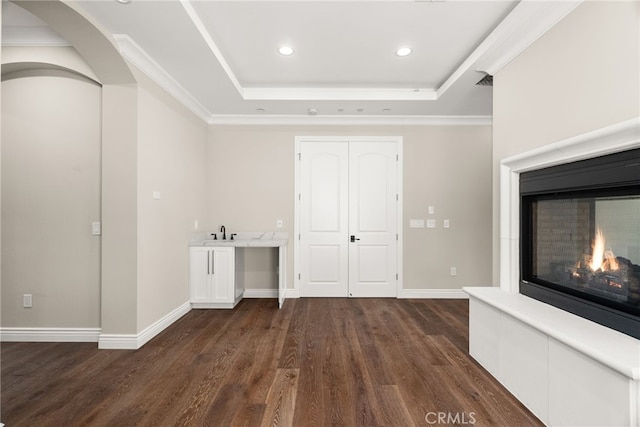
<point x="589" y="247"/>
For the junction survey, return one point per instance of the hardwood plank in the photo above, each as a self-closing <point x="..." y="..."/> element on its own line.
<point x="393" y="408"/>
<point x="291" y="351"/>
<point x="309" y="400"/>
<point x="280" y="403"/>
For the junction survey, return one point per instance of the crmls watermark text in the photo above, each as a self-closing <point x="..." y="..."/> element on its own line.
<point x="448" y="418"/>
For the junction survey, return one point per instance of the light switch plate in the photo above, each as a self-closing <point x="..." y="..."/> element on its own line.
<point x="431" y="223"/>
<point x="432" y="210"/>
<point x="96" y="228"/>
<point x="446" y="223"/>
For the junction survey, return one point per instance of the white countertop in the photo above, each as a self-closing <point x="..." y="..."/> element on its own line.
<point x="270" y="239"/>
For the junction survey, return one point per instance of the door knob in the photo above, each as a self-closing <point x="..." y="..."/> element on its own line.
<point x="353" y="238"/>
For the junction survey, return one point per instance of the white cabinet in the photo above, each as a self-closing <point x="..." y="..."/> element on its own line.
<point x="212" y="277"/>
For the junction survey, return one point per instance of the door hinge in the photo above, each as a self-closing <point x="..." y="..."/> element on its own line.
<point x="396" y="236"/>
<point x="299" y="236"/>
<point x="299" y="196"/>
<point x="396" y="276"/>
<point x="299" y="276"/>
<point x="299" y="156"/>
<point x="397" y="197"/>
<point x="397" y="157"/>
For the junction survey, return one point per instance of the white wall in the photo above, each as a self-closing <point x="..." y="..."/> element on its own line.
<point x="580" y="76"/>
<point x="51" y="195"/>
<point x="171" y="160"/>
<point x="251" y="185"/>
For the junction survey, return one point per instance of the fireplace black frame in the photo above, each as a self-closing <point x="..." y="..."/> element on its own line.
<point x="612" y="175"/>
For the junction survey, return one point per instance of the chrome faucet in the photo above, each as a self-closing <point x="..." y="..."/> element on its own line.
<point x="224" y="232"/>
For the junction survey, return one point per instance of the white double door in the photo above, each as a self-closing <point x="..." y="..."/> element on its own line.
<point x="348" y="209"/>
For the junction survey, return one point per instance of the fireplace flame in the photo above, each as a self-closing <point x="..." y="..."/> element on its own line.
<point x="602" y="259"/>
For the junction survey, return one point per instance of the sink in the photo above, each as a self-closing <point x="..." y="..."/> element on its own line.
<point x="218" y="242"/>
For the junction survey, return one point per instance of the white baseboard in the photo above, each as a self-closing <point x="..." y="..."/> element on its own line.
<point x="292" y="293"/>
<point x="135" y="341"/>
<point x="269" y="293"/>
<point x="118" y="342"/>
<point x="432" y="294"/>
<point x="49" y="334"/>
<point x="260" y="293"/>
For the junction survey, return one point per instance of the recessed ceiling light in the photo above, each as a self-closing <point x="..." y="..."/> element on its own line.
<point x="386" y="110"/>
<point x="312" y="111"/>
<point x="260" y="110"/>
<point x="360" y="110"/>
<point x="124" y="1"/>
<point x="285" y="50"/>
<point x="404" y="51"/>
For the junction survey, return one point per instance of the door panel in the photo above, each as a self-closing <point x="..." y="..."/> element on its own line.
<point x="370" y="269"/>
<point x="324" y="263"/>
<point x="325" y="192"/>
<point x="370" y="193"/>
<point x="372" y="219"/>
<point x="324" y="219"/>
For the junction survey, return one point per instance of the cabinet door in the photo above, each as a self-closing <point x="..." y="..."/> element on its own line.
<point x="223" y="274"/>
<point x="200" y="264"/>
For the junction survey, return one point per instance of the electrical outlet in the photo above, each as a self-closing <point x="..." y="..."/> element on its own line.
<point x="446" y="223"/>
<point x="454" y="271"/>
<point x="279" y="223"/>
<point x="196" y="225"/>
<point x="27" y="300"/>
<point x="431" y="223"/>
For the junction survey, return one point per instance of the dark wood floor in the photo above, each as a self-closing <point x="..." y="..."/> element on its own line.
<point x="346" y="362"/>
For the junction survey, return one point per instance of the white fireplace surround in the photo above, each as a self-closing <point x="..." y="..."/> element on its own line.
<point x="612" y="139"/>
<point x="567" y="370"/>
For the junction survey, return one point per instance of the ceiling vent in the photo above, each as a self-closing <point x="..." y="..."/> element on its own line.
<point x="486" y="81"/>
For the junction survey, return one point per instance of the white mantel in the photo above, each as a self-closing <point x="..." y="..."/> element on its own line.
<point x="533" y="349"/>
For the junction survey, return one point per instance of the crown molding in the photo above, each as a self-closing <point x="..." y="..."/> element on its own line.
<point x="526" y="23"/>
<point x="133" y="53"/>
<point x="300" y="120"/>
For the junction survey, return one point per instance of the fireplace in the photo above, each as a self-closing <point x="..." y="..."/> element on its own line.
<point x="580" y="238"/>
